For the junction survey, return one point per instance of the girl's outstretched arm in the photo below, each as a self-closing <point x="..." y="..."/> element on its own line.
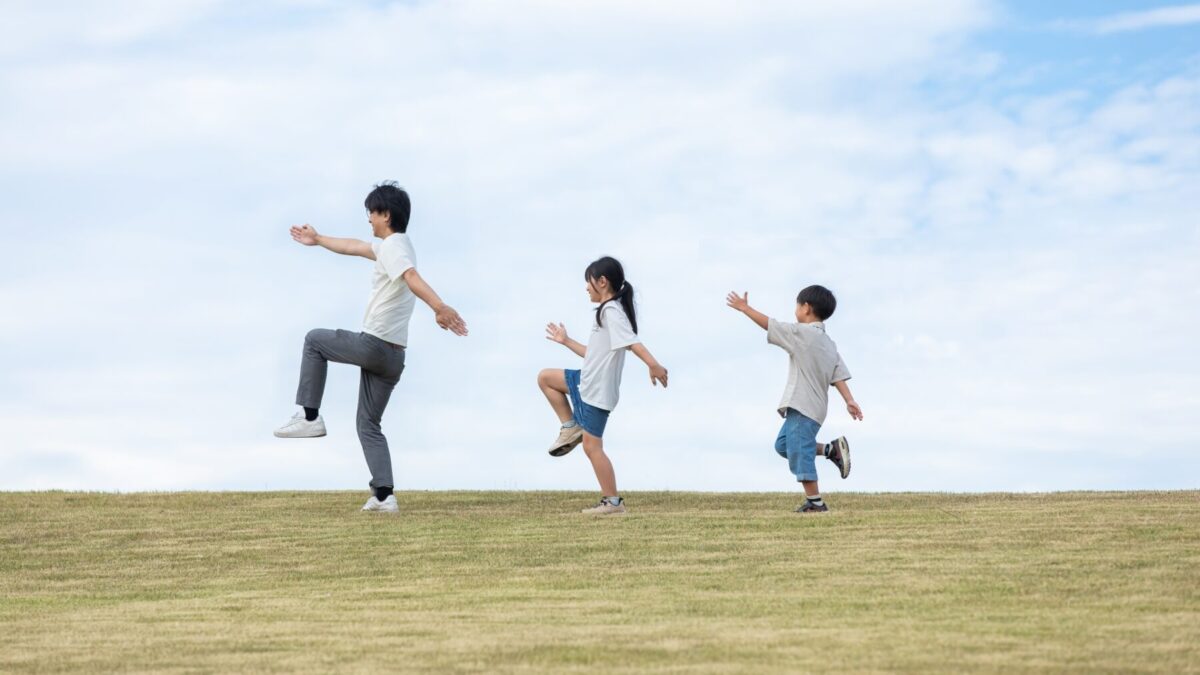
<point x="657" y="372"/>
<point x="742" y="304"/>
<point x="558" y="333"/>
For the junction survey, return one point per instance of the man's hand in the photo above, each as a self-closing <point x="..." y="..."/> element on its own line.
<point x="658" y="374"/>
<point x="741" y="303"/>
<point x="556" y="333"/>
<point x="448" y="319"/>
<point x="305" y="234"/>
<point x="854" y="410"/>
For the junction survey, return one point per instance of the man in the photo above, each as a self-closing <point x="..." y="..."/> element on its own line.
<point x="379" y="349"/>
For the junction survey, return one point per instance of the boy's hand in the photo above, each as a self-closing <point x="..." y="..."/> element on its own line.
<point x="448" y="319"/>
<point x="556" y="333"/>
<point x="658" y="374"/>
<point x="854" y="410"/>
<point x="305" y="234"/>
<point x="741" y="304"/>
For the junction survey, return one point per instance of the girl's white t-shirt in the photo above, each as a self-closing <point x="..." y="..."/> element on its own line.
<point x="600" y="378"/>
<point x="392" y="301"/>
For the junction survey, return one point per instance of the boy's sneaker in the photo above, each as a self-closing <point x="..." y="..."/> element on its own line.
<point x="839" y="454"/>
<point x="388" y="505"/>
<point x="606" y="508"/>
<point x="568" y="438"/>
<point x="809" y="507"/>
<point x="298" y="427"/>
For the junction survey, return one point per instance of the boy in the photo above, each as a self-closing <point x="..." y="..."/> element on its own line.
<point x="379" y="349"/>
<point x="814" y="365"/>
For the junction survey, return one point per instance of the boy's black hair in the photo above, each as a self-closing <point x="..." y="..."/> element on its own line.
<point x="820" y="299"/>
<point x="390" y="198"/>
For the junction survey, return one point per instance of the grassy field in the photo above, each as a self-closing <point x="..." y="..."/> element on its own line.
<point x="520" y="582"/>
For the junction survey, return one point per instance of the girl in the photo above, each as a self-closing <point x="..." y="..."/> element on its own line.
<point x="594" y="390"/>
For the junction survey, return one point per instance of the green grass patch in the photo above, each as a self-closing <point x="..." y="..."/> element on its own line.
<point x="521" y="582"/>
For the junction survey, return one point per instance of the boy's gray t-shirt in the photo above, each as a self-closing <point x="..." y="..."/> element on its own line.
<point x="813" y="365"/>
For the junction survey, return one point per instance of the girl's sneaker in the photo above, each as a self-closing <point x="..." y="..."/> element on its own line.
<point x="388" y="505"/>
<point x="606" y="508"/>
<point x="568" y="438"/>
<point x="839" y="454"/>
<point x="298" y="427"/>
<point x="809" y="507"/>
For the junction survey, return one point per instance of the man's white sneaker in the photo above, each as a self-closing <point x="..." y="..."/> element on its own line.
<point x="388" y="505"/>
<point x="298" y="427"/>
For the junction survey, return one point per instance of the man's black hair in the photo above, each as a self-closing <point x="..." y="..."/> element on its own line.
<point x="390" y="198"/>
<point x="820" y="299"/>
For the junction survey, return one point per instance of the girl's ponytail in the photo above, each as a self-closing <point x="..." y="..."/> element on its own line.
<point x="610" y="268"/>
<point x="625" y="295"/>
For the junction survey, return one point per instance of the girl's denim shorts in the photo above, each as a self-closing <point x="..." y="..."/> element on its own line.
<point x="591" y="418"/>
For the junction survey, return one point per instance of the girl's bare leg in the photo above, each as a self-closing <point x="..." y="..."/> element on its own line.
<point x="553" y="384"/>
<point x="594" y="448"/>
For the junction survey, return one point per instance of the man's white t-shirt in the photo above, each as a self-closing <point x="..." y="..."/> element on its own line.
<point x="392" y="301"/>
<point x="600" y="377"/>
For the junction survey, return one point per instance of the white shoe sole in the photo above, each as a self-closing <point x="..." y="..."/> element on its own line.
<point x="844" y="447"/>
<point x="285" y="434"/>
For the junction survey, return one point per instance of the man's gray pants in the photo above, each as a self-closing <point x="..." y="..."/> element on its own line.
<point x="381" y="363"/>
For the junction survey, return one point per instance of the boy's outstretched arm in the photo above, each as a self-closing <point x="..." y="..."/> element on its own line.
<point x="657" y="372"/>
<point x="307" y="235"/>
<point x="445" y="315"/>
<point x="742" y="304"/>
<point x="556" y="332"/>
<point x="852" y="406"/>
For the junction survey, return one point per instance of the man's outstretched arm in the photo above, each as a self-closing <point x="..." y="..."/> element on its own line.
<point x="305" y="234"/>
<point x="444" y="314"/>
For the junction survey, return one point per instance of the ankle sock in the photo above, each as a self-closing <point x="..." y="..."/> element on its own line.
<point x="615" y="501"/>
<point x="382" y="493"/>
<point x="570" y="424"/>
<point x="816" y="500"/>
<point x="310" y="414"/>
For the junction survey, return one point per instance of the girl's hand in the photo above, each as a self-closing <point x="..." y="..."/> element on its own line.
<point x="305" y="234"/>
<point x="854" y="410"/>
<point x="658" y="374"/>
<point x="556" y="333"/>
<point x="741" y="303"/>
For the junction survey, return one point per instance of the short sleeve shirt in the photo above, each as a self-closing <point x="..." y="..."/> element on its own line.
<point x="813" y="365"/>
<point x="600" y="378"/>
<point x="391" y="304"/>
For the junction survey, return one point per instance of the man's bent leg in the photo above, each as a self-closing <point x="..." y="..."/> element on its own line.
<point x="321" y="346"/>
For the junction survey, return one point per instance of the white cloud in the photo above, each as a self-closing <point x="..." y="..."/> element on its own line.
<point x="1159" y="17"/>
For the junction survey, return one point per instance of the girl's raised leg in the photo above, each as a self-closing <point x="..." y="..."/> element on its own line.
<point x="553" y="384"/>
<point x="594" y="447"/>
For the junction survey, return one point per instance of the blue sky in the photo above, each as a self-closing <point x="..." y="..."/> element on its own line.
<point x="1001" y="195"/>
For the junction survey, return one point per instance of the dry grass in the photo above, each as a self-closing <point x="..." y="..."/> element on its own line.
<point x="519" y="582"/>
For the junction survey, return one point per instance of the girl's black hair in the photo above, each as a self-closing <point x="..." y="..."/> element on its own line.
<point x="610" y="268"/>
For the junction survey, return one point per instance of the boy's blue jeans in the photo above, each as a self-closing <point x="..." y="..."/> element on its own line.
<point x="797" y="442"/>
